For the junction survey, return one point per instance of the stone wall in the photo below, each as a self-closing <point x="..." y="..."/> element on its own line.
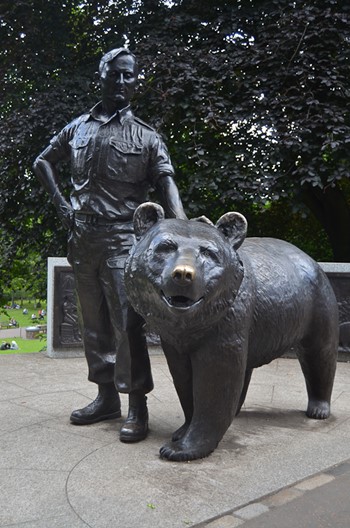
<point x="63" y="324"/>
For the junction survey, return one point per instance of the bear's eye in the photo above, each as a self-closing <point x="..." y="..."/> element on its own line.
<point x="166" y="246"/>
<point x="209" y="253"/>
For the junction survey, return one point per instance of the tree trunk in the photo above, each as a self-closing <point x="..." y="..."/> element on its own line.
<point x="332" y="210"/>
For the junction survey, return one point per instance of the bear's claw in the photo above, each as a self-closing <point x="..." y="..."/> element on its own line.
<point x="186" y="450"/>
<point x="170" y="452"/>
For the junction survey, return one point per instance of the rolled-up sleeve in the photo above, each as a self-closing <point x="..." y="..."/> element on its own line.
<point x="160" y="160"/>
<point x="60" y="142"/>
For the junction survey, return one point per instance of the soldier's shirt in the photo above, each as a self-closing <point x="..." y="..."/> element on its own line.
<point x="114" y="162"/>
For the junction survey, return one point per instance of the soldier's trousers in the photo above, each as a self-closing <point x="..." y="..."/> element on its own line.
<point x="113" y="333"/>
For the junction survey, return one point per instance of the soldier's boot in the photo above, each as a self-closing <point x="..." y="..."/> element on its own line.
<point x="135" y="427"/>
<point x="106" y="406"/>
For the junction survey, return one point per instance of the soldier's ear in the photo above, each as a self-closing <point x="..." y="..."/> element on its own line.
<point x="145" y="216"/>
<point x="234" y="227"/>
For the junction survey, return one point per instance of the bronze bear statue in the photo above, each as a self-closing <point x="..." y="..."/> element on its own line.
<point x="224" y="304"/>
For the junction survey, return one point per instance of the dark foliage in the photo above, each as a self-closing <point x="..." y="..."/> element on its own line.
<point x="252" y="97"/>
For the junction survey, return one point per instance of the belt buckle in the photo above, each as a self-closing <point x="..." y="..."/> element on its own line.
<point x="90" y="219"/>
<point x="94" y="220"/>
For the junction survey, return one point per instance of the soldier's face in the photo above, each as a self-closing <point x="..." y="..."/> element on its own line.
<point x="118" y="81"/>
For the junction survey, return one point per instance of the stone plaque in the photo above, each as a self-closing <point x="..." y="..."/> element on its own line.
<point x="63" y="325"/>
<point x="66" y="331"/>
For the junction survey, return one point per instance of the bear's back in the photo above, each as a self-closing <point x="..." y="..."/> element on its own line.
<point x="288" y="288"/>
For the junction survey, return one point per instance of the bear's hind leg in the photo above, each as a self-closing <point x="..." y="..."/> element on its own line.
<point x="318" y="365"/>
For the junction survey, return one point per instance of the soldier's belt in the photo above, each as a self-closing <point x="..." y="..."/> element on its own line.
<point x="93" y="219"/>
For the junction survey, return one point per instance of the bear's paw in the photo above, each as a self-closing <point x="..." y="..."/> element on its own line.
<point x="318" y="409"/>
<point x="181" y="452"/>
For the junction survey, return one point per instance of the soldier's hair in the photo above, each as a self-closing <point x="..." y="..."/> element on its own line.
<point x="108" y="57"/>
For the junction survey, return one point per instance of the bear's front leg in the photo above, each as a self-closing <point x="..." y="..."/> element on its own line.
<point x="218" y="377"/>
<point x="180" y="367"/>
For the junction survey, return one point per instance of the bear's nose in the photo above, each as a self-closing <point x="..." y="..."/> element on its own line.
<point x="183" y="273"/>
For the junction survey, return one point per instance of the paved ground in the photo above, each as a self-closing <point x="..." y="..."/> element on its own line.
<point x="274" y="467"/>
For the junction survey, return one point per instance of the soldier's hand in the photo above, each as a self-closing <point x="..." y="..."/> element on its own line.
<point x="66" y="215"/>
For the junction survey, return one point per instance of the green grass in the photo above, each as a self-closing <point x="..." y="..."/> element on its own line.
<point x="24" y="320"/>
<point x="25" y="345"/>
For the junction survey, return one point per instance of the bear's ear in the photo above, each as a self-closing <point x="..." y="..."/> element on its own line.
<point x="234" y="227"/>
<point x="145" y="216"/>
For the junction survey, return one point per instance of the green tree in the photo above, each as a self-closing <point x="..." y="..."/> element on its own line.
<point x="255" y="103"/>
<point x="46" y="81"/>
<point x="251" y="96"/>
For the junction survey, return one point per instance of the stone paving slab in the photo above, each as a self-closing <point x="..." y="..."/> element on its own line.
<point x="54" y="474"/>
<point x="319" y="502"/>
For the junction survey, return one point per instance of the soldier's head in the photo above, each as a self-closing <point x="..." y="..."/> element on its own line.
<point x="118" y="73"/>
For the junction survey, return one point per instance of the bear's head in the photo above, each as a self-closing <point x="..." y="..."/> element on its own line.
<point x="183" y="273"/>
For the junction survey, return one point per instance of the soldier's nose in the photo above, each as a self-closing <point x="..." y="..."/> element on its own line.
<point x="183" y="273"/>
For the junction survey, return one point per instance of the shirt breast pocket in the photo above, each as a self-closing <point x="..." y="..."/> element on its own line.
<point x="79" y="154"/>
<point x="126" y="161"/>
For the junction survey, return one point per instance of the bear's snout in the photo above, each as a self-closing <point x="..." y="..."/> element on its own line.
<point x="183" y="273"/>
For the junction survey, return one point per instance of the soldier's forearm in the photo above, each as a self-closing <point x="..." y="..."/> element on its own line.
<point x="170" y="198"/>
<point x="46" y="174"/>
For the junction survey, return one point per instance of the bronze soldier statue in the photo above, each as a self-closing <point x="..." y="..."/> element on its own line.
<point x="115" y="160"/>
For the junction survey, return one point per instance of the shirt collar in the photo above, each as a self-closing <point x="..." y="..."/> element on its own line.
<point x="122" y="114"/>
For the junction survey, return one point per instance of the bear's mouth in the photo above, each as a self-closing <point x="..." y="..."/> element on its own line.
<point x="180" y="302"/>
